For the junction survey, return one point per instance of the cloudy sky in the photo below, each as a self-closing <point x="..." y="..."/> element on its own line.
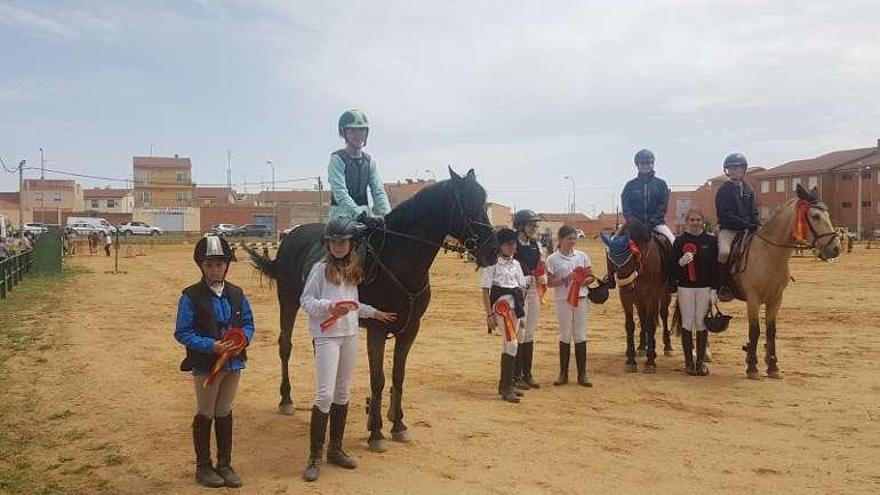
<point x="525" y="92"/>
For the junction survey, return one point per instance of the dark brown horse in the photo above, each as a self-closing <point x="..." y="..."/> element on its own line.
<point x="636" y="258"/>
<point x="399" y="254"/>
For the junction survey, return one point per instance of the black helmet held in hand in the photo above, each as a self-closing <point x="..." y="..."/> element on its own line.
<point x="598" y="294"/>
<point x="716" y="322"/>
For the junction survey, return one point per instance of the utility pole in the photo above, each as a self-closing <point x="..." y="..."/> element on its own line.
<point x="320" y="200"/>
<point x="42" y="166"/>
<point x="859" y="203"/>
<point x="573" y="201"/>
<point x="229" y="169"/>
<point x="274" y="199"/>
<point x="21" y="197"/>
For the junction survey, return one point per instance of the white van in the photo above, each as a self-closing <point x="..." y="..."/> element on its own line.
<point x="96" y="222"/>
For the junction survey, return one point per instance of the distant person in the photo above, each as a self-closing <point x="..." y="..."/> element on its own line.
<point x="737" y="211"/>
<point x="108" y="241"/>
<point x="4" y="249"/>
<point x="207" y="311"/>
<point x="26" y="242"/>
<point x="352" y="172"/>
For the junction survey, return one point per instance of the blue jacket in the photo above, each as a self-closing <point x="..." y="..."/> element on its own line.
<point x="646" y="198"/>
<point x="185" y="331"/>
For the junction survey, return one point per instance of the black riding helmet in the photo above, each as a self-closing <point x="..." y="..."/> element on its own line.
<point x="598" y="294"/>
<point x="213" y="247"/>
<point x="505" y="235"/>
<point x="340" y="229"/>
<point x="523" y="218"/>
<point x="716" y="322"/>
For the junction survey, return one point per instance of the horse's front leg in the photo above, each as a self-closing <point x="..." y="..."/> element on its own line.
<point x="770" y="355"/>
<point x="648" y="321"/>
<point x="376" y="356"/>
<point x="664" y="319"/>
<point x="751" y="348"/>
<point x="399" y="431"/>
<point x="285" y="346"/>
<point x="630" y="326"/>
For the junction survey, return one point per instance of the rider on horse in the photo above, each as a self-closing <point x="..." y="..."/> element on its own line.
<point x="737" y="212"/>
<point x="351" y="172"/>
<point x="646" y="198"/>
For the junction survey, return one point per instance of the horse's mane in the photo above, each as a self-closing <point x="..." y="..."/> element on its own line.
<point x="416" y="208"/>
<point x="637" y="230"/>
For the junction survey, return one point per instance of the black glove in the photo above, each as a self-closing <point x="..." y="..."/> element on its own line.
<point x="369" y="220"/>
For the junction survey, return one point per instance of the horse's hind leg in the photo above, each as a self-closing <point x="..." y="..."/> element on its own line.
<point x="376" y="355"/>
<point x="770" y="356"/>
<point x="642" y="346"/>
<point x="648" y="321"/>
<point x="399" y="431"/>
<point x="664" y="319"/>
<point x="285" y="346"/>
<point x="751" y="348"/>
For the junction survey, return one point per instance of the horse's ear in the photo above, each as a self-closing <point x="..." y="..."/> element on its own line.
<point x="471" y="176"/>
<point x="454" y="176"/>
<point x="605" y="239"/>
<point x="814" y="194"/>
<point x="803" y="194"/>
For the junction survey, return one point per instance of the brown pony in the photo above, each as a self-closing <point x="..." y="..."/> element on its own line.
<point x="763" y="273"/>
<point x="638" y="265"/>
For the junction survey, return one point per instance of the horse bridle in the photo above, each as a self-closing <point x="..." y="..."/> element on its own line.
<point x="475" y="246"/>
<point x="816" y="235"/>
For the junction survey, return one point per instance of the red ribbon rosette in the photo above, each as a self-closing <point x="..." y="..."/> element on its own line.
<point x="690" y="247"/>
<point x="326" y="324"/>
<point x="502" y="308"/>
<point x="540" y="271"/>
<point x="634" y="249"/>
<point x="579" y="276"/>
<point x="236" y="336"/>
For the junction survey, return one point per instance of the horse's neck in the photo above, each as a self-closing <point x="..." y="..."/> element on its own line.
<point x="410" y="259"/>
<point x="778" y="231"/>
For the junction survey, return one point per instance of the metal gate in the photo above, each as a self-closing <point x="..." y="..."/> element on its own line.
<point x="170" y="221"/>
<point x="267" y="220"/>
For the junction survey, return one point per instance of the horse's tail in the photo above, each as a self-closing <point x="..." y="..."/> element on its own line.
<point x="676" y="319"/>
<point x="263" y="263"/>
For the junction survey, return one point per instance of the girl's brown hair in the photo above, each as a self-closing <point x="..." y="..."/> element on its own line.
<point x="343" y="270"/>
<point x="563" y="232"/>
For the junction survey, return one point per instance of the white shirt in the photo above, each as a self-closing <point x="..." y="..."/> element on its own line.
<point x="506" y="273"/>
<point x="560" y="265"/>
<point x="320" y="294"/>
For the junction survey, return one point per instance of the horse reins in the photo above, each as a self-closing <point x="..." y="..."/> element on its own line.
<point x="816" y="236"/>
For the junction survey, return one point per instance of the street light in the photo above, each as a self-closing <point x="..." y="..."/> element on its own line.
<point x="572" y="192"/>
<point x="274" y="199"/>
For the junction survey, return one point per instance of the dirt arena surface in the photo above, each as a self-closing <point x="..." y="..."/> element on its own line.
<point x="108" y="387"/>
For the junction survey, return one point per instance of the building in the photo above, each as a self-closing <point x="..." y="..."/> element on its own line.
<point x="9" y="207"/>
<point x="162" y="182"/>
<point x="213" y="196"/>
<point x="499" y="215"/>
<point x="47" y="200"/>
<point x="702" y="198"/>
<point x="108" y="200"/>
<point x="401" y="191"/>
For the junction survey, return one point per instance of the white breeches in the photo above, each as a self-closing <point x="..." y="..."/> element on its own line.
<point x="509" y="341"/>
<point x="335" y="359"/>
<point x="572" y="321"/>
<point x="663" y="229"/>
<point x="694" y="305"/>
<point x="725" y="240"/>
<point x="533" y="312"/>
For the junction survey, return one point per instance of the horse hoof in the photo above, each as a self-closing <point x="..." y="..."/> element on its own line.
<point x="650" y="369"/>
<point x="667" y="352"/>
<point x="401" y="436"/>
<point x="774" y="374"/>
<point x="753" y="375"/>
<point x="286" y="409"/>
<point x="379" y="445"/>
<point x="631" y="367"/>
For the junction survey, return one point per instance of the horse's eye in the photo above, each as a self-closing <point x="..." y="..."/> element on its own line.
<point x="815" y="216"/>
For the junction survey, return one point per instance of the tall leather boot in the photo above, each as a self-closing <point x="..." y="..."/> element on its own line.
<point x="725" y="294"/>
<point x="687" y="347"/>
<point x="702" y="342"/>
<point x="205" y="474"/>
<point x="564" y="358"/>
<point x="518" y="365"/>
<point x="335" y="454"/>
<point x="528" y="355"/>
<point x="223" y="429"/>
<point x="318" y="430"/>
<point x="580" y="359"/>
<point x="507" y="391"/>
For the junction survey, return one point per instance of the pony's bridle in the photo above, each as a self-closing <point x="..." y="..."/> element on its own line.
<point x="816" y="235"/>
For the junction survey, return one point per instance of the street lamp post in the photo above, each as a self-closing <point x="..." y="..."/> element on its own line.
<point x="274" y="199"/>
<point x="573" y="201"/>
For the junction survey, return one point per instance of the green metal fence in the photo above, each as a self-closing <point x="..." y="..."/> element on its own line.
<point x="13" y="270"/>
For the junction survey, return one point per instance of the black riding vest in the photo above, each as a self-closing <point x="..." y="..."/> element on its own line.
<point x="206" y="323"/>
<point x="519" y="300"/>
<point x="357" y="177"/>
<point x="528" y="256"/>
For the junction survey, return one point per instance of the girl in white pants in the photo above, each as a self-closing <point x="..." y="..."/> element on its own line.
<point x="503" y="283"/>
<point x="697" y="277"/>
<point x="561" y="267"/>
<point x="529" y="255"/>
<point x="332" y="281"/>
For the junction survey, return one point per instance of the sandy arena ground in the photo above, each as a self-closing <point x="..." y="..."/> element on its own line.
<point x="114" y="369"/>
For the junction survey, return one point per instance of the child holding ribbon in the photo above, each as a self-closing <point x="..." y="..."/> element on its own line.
<point x="570" y="273"/>
<point x="215" y="323"/>
<point x="504" y="302"/>
<point x="330" y="298"/>
<point x="697" y="276"/>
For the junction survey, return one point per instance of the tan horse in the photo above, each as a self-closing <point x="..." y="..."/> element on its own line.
<point x="765" y="274"/>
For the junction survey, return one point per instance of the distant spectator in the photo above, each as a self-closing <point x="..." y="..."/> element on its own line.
<point x="107" y="242"/>
<point x="26" y="242"/>
<point x="4" y="249"/>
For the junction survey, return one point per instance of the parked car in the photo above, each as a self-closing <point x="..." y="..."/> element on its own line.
<point x="139" y="228"/>
<point x="97" y="222"/>
<point x="254" y="230"/>
<point x="83" y="228"/>
<point x="224" y="229"/>
<point x="35" y="228"/>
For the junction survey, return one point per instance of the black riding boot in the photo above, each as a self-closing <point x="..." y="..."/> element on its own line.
<point x="335" y="454"/>
<point x="529" y="354"/>
<point x="564" y="358"/>
<point x="507" y="391"/>
<point x="318" y="429"/>
<point x="702" y="343"/>
<point x="580" y="359"/>
<point x="725" y="294"/>
<point x="518" y="366"/>
<point x="205" y="474"/>
<point x="687" y="347"/>
<point x="223" y="429"/>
